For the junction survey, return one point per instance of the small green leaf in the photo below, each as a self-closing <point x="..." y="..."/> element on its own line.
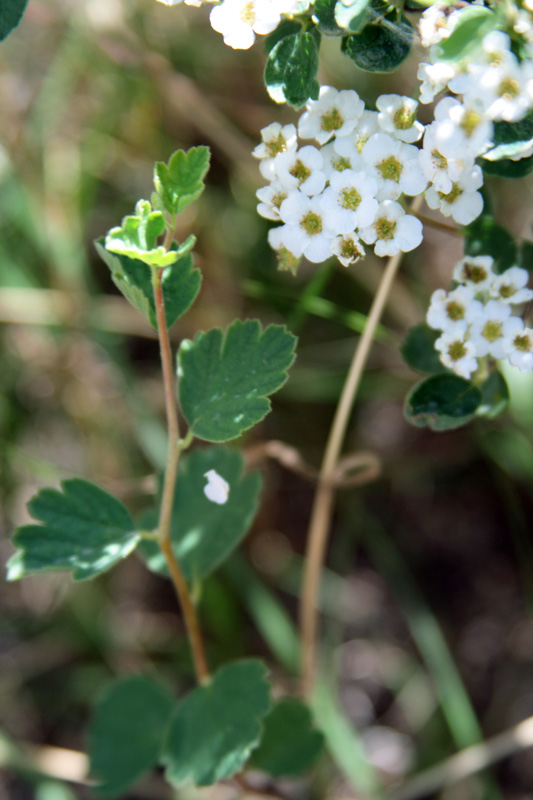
<point x="509" y="140"/>
<point x="418" y="349"/>
<point x="203" y="533"/>
<point x="216" y="727"/>
<point x="473" y="23"/>
<point x="442" y="402"/>
<point x="127" y="731"/>
<point x="285" y="28"/>
<point x="224" y="380"/>
<point x="507" y="168"/>
<point x="484" y="237"/>
<point x="525" y="258"/>
<point x="181" y="284"/>
<point x="11" y="13"/>
<point x="324" y="11"/>
<point x="181" y="181"/>
<point x="290" y="745"/>
<point x="381" y="47"/>
<point x="352" y="15"/>
<point x="137" y="237"/>
<point x="85" y="530"/>
<point x="291" y="68"/>
<point x="494" y="396"/>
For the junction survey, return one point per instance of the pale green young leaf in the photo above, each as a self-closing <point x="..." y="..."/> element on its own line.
<point x="138" y="235"/>
<point x="216" y="727"/>
<point x="181" y="284"/>
<point x="203" y="533"/>
<point x="85" y="530"/>
<point x="126" y="732"/>
<point x="290" y="744"/>
<point x="473" y="23"/>
<point x="224" y="380"/>
<point x="11" y="13"/>
<point x="181" y="181"/>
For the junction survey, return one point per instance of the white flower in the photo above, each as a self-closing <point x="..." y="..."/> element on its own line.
<point x="347" y="248"/>
<point x="240" y="20"/>
<point x="475" y="271"/>
<point x="333" y="162"/>
<point x="442" y="171"/>
<point x="397" y="116"/>
<point x="521" y="354"/>
<point x="462" y="203"/>
<point x="305" y="232"/>
<point x="367" y="126"/>
<point x="457" y="352"/>
<point x="393" y="230"/>
<point x="509" y="287"/>
<point x="276" y="139"/>
<point x="396" y="165"/>
<point x="271" y="197"/>
<point x="333" y="114"/>
<point x="349" y="201"/>
<point x="449" y="311"/>
<point x="505" y="91"/>
<point x="435" y="25"/>
<point x="301" y="169"/>
<point x="492" y="331"/>
<point x="434" y="78"/>
<point x="216" y="489"/>
<point x="461" y="129"/>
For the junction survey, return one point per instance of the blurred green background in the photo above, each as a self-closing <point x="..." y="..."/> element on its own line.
<point x="428" y="644"/>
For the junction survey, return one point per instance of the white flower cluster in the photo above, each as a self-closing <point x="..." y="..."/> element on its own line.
<point x="477" y="318"/>
<point x="334" y="197"/>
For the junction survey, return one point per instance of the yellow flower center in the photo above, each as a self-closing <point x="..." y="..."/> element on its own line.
<point x="311" y="223"/>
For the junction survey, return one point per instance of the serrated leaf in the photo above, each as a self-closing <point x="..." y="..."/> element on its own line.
<point x="485" y="237"/>
<point x="127" y="731"/>
<point x="381" y="47"/>
<point x="11" y="13"/>
<point x="494" y="396"/>
<point x="203" y="533"/>
<point x="442" y="402"/>
<point x="224" y="379"/>
<point x="352" y="16"/>
<point x="137" y="237"/>
<point x="216" y="727"/>
<point x="418" y="349"/>
<point x="181" y="284"/>
<point x="290" y="744"/>
<point x="473" y="23"/>
<point x="291" y="69"/>
<point x="85" y="530"/>
<point x="181" y="181"/>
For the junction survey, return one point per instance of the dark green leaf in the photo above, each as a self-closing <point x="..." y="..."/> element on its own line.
<point x="472" y="25"/>
<point x="494" y="396"/>
<point x="381" y="47"/>
<point x="11" y="13"/>
<point x="352" y="15"/>
<point x="216" y="726"/>
<point x="525" y="259"/>
<point x="418" y="349"/>
<point x="290" y="745"/>
<point x="224" y="380"/>
<point x="203" y="533"/>
<point x="285" y="28"/>
<point x="484" y="237"/>
<point x="510" y="139"/>
<point x="324" y="11"/>
<point x="85" y="530"/>
<point x="442" y="402"/>
<point x="291" y="69"/>
<point x="127" y="731"/>
<point x="181" y="283"/>
<point x="181" y="181"/>
<point x="506" y="168"/>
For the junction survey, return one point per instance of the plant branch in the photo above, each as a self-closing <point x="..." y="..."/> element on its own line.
<point x="319" y="524"/>
<point x="174" y="451"/>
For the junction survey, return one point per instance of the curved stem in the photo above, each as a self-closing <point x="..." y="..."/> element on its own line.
<point x="174" y="451"/>
<point x="319" y="524"/>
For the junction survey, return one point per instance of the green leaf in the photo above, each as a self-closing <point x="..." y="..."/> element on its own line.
<point x="203" y="533"/>
<point x="181" y="284"/>
<point x="418" y="349"/>
<point x="181" y="181"/>
<point x="137" y="237"/>
<point x="442" y="402"/>
<point x="85" y="530"/>
<point x="352" y="15"/>
<point x="494" y="396"/>
<point x="216" y="727"/>
<point x="506" y="168"/>
<point x="381" y="47"/>
<point x="224" y="380"/>
<point x="11" y="13"/>
<point x="324" y="11"/>
<point x="484" y="237"/>
<point x="290" y="745"/>
<point x="285" y="28"/>
<point x="525" y="258"/>
<point x="291" y="68"/>
<point x="127" y="731"/>
<point x="472" y="25"/>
